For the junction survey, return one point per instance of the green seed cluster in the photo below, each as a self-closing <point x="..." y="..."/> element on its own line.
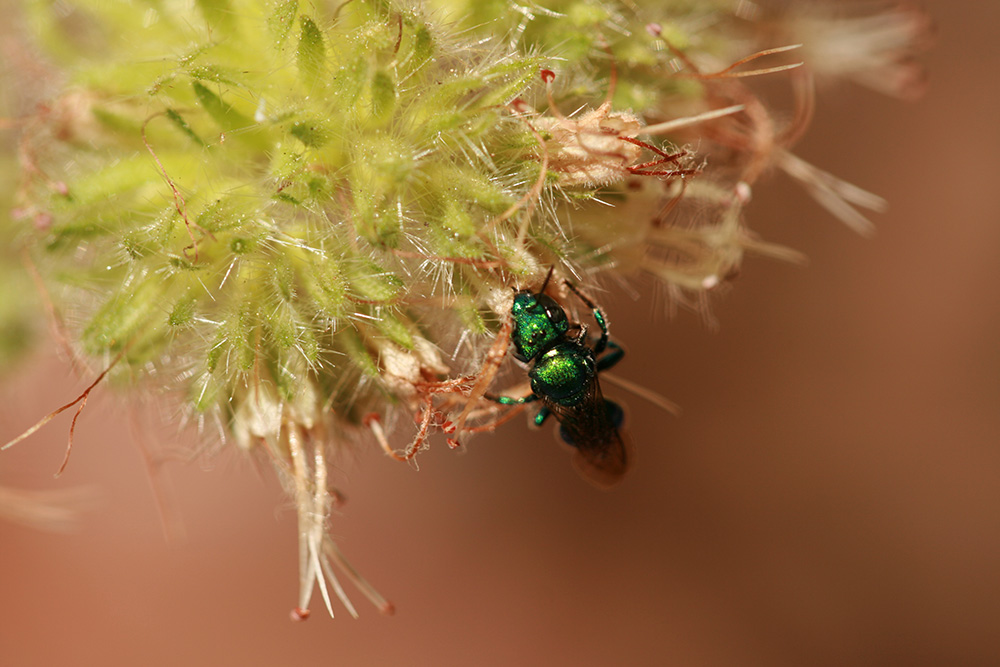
<point x="242" y="199"/>
<point x="243" y="194"/>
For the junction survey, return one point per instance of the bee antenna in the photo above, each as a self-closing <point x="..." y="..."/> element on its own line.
<point x="547" y="278"/>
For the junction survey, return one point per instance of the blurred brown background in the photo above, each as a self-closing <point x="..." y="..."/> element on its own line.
<point x="830" y="496"/>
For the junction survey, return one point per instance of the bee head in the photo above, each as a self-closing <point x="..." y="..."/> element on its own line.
<point x="539" y="323"/>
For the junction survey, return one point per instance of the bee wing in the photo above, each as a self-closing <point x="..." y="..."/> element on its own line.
<point x="601" y="456"/>
<point x="604" y="467"/>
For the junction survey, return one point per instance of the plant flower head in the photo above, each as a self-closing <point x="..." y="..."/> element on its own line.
<point x="309" y="220"/>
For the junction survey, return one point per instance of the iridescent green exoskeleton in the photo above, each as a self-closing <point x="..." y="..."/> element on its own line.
<point x="563" y="372"/>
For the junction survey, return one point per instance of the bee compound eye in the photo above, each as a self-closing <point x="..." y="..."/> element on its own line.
<point x="553" y="311"/>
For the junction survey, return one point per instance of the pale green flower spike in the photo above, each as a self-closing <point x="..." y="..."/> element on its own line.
<point x="309" y="219"/>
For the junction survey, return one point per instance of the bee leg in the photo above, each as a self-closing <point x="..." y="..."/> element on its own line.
<point x="614" y="355"/>
<point x="511" y="400"/>
<point x="598" y="314"/>
<point x="539" y="417"/>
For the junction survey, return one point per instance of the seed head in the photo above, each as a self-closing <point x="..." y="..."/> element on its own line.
<point x="307" y="222"/>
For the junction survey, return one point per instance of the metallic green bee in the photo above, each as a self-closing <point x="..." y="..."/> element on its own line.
<point x="563" y="373"/>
